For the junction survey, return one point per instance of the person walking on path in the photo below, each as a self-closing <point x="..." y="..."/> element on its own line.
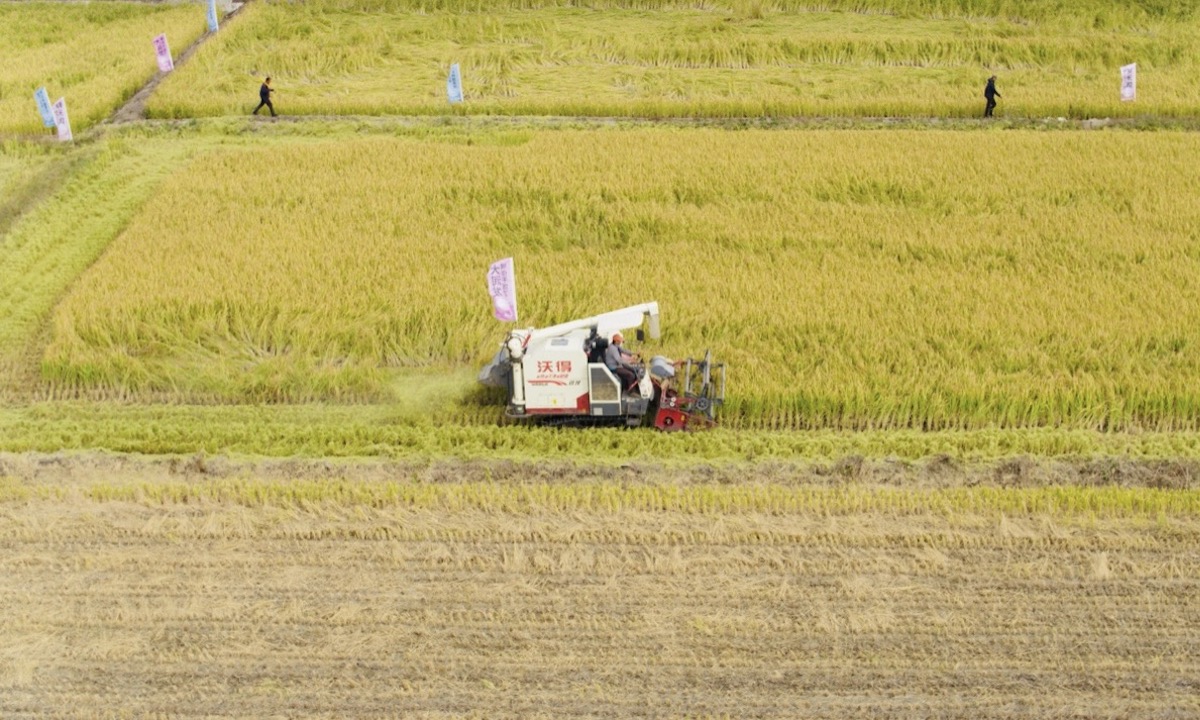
<point x="990" y="93"/>
<point x="264" y="95"/>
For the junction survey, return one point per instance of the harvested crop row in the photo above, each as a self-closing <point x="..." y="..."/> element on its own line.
<point x="338" y="608"/>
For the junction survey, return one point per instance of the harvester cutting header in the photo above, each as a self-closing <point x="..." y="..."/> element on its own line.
<point x="574" y="373"/>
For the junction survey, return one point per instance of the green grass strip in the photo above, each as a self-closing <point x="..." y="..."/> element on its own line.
<point x="48" y="248"/>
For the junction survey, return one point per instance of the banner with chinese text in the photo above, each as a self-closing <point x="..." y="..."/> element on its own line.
<point x="1129" y="82"/>
<point x="43" y="102"/>
<point x="502" y="286"/>
<point x="454" y="85"/>
<point x="62" y="121"/>
<point x="163" y="53"/>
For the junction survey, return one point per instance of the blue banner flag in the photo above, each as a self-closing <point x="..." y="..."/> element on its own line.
<point x="454" y="85"/>
<point x="43" y="103"/>
<point x="212" y="15"/>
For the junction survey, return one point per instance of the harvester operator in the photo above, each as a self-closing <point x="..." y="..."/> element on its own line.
<point x="621" y="362"/>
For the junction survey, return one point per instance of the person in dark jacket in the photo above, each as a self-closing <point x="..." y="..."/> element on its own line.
<point x="264" y="95"/>
<point x="990" y="93"/>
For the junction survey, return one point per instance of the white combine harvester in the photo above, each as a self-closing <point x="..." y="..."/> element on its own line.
<point x="558" y="374"/>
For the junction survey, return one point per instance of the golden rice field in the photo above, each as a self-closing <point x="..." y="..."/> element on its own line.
<point x="716" y="59"/>
<point x="96" y="55"/>
<point x="852" y="279"/>
<point x="130" y="589"/>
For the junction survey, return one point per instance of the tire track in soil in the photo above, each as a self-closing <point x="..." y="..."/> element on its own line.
<point x="134" y="109"/>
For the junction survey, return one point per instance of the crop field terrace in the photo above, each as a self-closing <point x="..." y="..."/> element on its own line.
<point x="246" y="470"/>
<point x="96" y="55"/>
<point x="663" y="58"/>
<point x="854" y="279"/>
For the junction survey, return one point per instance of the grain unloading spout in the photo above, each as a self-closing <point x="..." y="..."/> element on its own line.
<point x="655" y="332"/>
<point x="608" y="323"/>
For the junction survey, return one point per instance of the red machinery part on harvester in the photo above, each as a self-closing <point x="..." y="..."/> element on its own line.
<point x="693" y="406"/>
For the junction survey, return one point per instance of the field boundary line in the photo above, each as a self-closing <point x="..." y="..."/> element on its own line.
<point x="389" y="123"/>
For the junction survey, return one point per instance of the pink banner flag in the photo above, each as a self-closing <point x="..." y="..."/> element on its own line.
<point x="165" y="64"/>
<point x="502" y="285"/>
<point x="61" y="120"/>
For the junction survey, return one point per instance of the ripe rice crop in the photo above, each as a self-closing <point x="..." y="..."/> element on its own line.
<point x="768" y="498"/>
<point x="66" y="206"/>
<point x="96" y="55"/>
<point x="409" y="429"/>
<point x="719" y="59"/>
<point x="851" y="279"/>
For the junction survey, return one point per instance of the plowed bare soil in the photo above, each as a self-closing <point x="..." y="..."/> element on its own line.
<point x="245" y="608"/>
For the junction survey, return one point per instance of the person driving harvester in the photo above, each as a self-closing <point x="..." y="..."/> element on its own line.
<point x="622" y="362"/>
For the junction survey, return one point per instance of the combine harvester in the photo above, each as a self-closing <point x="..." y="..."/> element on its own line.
<point x="557" y="374"/>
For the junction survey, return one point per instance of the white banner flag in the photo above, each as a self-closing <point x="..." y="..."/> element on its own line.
<point x="212" y="15"/>
<point x="61" y="120"/>
<point x="1129" y="82"/>
<point x="502" y="285"/>
<point x="43" y="103"/>
<point x="163" y="53"/>
<point x="454" y="84"/>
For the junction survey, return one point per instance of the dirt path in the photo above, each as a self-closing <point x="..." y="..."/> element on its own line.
<point x="134" y="110"/>
<point x="78" y="469"/>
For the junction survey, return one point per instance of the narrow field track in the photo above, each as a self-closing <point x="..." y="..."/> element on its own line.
<point x="258" y="605"/>
<point x="135" y="108"/>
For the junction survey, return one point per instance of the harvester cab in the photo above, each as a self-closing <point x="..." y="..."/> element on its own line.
<point x="559" y="374"/>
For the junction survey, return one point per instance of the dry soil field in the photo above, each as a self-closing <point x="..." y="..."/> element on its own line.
<point x="185" y="589"/>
